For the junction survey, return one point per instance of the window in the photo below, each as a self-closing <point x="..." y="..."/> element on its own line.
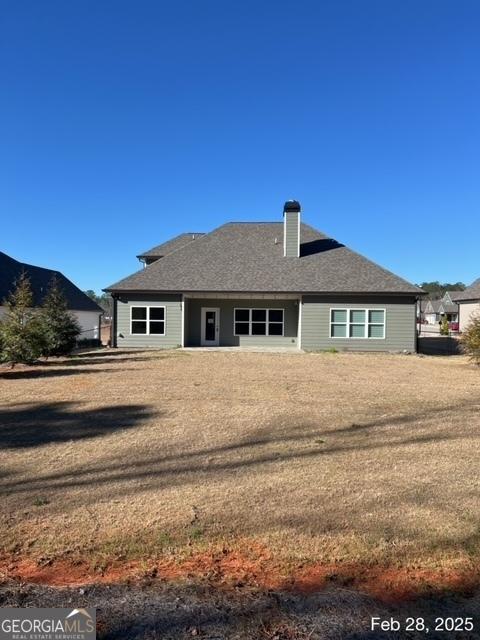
<point x="258" y="322"/>
<point x="357" y="323"/>
<point x="147" y="320"/>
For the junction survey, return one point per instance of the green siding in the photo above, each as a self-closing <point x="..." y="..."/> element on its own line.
<point x="227" y="337"/>
<point x="291" y="231"/>
<point x="400" y="329"/>
<point x="173" y="330"/>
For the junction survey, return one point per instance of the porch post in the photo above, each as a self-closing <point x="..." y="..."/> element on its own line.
<point x="183" y="319"/>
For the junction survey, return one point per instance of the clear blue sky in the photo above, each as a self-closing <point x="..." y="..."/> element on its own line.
<point x="124" y="123"/>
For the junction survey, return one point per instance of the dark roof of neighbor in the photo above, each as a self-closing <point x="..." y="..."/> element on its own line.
<point x="171" y="245"/>
<point x="449" y="307"/>
<point x="456" y="294"/>
<point x="471" y="293"/>
<point x="40" y="278"/>
<point x="248" y="257"/>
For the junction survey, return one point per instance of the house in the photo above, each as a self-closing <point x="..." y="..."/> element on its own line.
<point x="86" y="311"/>
<point x="434" y="310"/>
<point x="469" y="304"/>
<point x="279" y="284"/>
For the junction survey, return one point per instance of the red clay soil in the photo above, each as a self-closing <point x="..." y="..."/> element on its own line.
<point x="229" y="568"/>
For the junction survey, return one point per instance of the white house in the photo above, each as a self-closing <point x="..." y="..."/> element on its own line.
<point x="469" y="304"/>
<point x="87" y="312"/>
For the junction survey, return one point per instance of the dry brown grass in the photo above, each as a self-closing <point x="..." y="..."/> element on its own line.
<point x="329" y="458"/>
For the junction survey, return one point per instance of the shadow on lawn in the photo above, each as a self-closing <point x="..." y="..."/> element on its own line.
<point x="178" y="611"/>
<point x="176" y="469"/>
<point x="33" y="425"/>
<point x="52" y="370"/>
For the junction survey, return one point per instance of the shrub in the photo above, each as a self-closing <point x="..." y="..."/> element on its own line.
<point x="21" y="334"/>
<point x="444" y="328"/>
<point x="470" y="339"/>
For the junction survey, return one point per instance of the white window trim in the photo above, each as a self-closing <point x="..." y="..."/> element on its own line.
<point x="267" y="322"/>
<point x="366" y="323"/>
<point x="147" y="320"/>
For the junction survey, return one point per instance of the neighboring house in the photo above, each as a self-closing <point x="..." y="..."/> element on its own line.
<point x="281" y="284"/>
<point x="87" y="312"/>
<point x="469" y="304"/>
<point x="431" y="311"/>
<point x="434" y="310"/>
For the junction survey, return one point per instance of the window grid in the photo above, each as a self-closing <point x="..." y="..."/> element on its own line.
<point x="149" y="322"/>
<point x="348" y="318"/>
<point x="253" y="323"/>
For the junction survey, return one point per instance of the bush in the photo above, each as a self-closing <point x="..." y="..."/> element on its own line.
<point x="444" y="328"/>
<point x="21" y="332"/>
<point x="470" y="339"/>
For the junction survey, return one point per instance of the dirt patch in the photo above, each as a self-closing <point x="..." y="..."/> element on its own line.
<point x="257" y="568"/>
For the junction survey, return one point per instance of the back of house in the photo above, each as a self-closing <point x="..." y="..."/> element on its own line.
<point x="266" y="284"/>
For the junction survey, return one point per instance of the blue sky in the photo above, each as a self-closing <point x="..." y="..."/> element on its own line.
<point x="124" y="123"/>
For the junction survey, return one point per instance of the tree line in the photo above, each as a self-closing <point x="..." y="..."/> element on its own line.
<point x="28" y="333"/>
<point x="436" y="289"/>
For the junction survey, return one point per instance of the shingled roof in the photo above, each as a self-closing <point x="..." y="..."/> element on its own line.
<point x="40" y="278"/>
<point x="471" y="293"/>
<point x="248" y="257"/>
<point x="171" y="245"/>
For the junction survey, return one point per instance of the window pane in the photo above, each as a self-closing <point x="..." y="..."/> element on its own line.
<point x="259" y="315"/>
<point x="157" y="313"/>
<point x="275" y="315"/>
<point x="339" y="331"/>
<point x="139" y="326"/>
<point x="375" y="331"/>
<point x="157" y="327"/>
<point x="275" y="329"/>
<point x="357" y="316"/>
<point x="242" y="315"/>
<point x="357" y="330"/>
<point x="376" y="315"/>
<point x="339" y="315"/>
<point x="139" y="313"/>
<point x="259" y="328"/>
<point x="241" y="328"/>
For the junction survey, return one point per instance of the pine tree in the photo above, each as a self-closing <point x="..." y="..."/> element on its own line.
<point x="21" y="335"/>
<point x="59" y="327"/>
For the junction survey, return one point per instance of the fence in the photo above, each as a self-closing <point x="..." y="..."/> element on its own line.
<point x="439" y="346"/>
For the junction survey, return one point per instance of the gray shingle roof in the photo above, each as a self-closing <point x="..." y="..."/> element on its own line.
<point x="171" y="245"/>
<point x="40" y="278"/>
<point x="471" y="293"/>
<point x="456" y="295"/>
<point x="248" y="257"/>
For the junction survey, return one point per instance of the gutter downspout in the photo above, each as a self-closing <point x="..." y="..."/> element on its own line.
<point x="113" y="326"/>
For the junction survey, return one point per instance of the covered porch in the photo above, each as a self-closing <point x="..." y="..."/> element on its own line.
<point x="240" y="320"/>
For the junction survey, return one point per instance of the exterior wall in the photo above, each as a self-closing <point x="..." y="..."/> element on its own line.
<point x="173" y="327"/>
<point x="89" y="324"/>
<point x="88" y="321"/>
<point x="291" y="230"/>
<point x="227" y="338"/>
<point x="466" y="311"/>
<point x="400" y="323"/>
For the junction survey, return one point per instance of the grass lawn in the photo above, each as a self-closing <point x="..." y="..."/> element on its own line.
<point x="273" y="467"/>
